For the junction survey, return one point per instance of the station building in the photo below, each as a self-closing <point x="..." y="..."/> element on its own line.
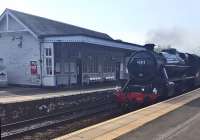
<point x="41" y="52"/>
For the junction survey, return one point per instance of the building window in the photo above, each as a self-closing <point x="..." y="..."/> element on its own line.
<point x="49" y="61"/>
<point x="84" y="67"/>
<point x="109" y="65"/>
<point x="72" y="67"/>
<point x="90" y="64"/>
<point x="49" y="66"/>
<point x="57" y="68"/>
<point x="48" y="52"/>
<point x="66" y="67"/>
<point x="69" y="67"/>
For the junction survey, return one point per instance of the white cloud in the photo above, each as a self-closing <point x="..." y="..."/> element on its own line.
<point x="13" y="4"/>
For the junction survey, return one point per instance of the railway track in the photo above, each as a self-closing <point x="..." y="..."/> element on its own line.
<point x="19" y="129"/>
<point x="52" y="122"/>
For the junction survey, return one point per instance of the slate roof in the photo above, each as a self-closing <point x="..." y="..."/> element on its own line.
<point x="46" y="27"/>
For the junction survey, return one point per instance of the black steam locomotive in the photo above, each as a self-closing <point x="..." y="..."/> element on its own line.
<point x="154" y="76"/>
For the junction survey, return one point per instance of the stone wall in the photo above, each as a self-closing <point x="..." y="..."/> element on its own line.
<point x="15" y="112"/>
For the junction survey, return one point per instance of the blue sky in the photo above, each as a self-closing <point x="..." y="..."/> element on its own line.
<point x="129" y="20"/>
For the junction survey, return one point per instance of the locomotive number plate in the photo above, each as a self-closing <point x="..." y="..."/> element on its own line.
<point x="141" y="62"/>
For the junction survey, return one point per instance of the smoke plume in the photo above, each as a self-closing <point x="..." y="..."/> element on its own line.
<point x="182" y="40"/>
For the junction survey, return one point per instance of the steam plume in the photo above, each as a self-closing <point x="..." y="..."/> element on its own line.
<point x="182" y="40"/>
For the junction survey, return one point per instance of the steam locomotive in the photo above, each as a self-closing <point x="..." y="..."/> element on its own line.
<point x="154" y="76"/>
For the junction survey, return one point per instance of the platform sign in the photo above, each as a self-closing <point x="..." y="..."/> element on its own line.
<point x="33" y="67"/>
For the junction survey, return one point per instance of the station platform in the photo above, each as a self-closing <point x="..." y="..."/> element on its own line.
<point x="20" y="94"/>
<point x="176" y="118"/>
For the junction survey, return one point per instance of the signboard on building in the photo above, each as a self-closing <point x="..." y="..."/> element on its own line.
<point x="34" y="67"/>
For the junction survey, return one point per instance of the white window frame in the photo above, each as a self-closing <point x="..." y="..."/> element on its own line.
<point x="48" y="61"/>
<point x="49" y="65"/>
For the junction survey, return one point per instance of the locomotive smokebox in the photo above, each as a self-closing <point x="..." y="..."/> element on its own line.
<point x="142" y="66"/>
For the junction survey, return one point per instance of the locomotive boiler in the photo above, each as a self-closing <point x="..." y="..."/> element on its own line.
<point x="154" y="76"/>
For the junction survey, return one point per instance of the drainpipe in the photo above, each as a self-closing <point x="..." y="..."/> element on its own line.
<point x="41" y="74"/>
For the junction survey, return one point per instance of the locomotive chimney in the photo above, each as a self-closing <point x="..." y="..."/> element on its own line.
<point x="149" y="46"/>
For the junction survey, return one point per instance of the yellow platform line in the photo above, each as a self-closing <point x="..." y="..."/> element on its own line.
<point x="116" y="127"/>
